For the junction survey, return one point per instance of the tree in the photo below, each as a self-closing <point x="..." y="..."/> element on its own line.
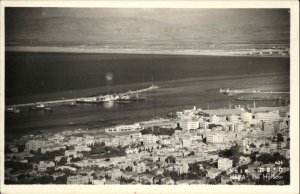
<point x="252" y="157"/>
<point x="76" y="159"/>
<point x="279" y="137"/>
<point x="235" y="160"/>
<point x="229" y="183"/>
<point x="62" y="161"/>
<point x="212" y="182"/>
<point x="252" y="145"/>
<point x="223" y="173"/>
<point x="175" y="176"/>
<point x="264" y="158"/>
<point x="225" y="153"/>
<point x="18" y="165"/>
<point x="7" y="150"/>
<point x="21" y="177"/>
<point x="61" y="180"/>
<point x="50" y="170"/>
<point x="277" y="158"/>
<point x="21" y="147"/>
<point x="218" y="179"/>
<point x="46" y="180"/>
<point x="192" y="153"/>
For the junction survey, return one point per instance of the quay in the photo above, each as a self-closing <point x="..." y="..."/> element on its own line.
<point x="64" y="101"/>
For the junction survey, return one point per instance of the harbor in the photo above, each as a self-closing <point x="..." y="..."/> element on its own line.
<point x="125" y="97"/>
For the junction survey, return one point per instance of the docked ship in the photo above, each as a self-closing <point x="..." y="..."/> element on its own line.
<point x="91" y="100"/>
<point x="41" y="107"/>
<point x="122" y="98"/>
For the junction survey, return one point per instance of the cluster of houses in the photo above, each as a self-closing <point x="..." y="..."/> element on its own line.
<point x="199" y="138"/>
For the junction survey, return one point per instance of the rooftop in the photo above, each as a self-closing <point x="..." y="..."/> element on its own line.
<point x="221" y="112"/>
<point x="266" y="109"/>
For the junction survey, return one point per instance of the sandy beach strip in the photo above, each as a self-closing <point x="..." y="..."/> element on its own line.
<point x="84" y="49"/>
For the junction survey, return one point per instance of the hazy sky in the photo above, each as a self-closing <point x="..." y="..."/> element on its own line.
<point x="166" y="27"/>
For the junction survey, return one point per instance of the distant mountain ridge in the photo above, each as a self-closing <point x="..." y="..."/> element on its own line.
<point x="111" y="29"/>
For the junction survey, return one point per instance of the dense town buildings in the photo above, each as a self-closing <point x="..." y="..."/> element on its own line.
<point x="221" y="146"/>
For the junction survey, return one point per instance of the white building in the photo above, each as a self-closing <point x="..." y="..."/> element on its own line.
<point x="131" y="151"/>
<point x="149" y="139"/>
<point x="139" y="167"/>
<point x="215" y="138"/>
<point x="82" y="148"/>
<point x="215" y="119"/>
<point x="234" y="118"/>
<point x="181" y="168"/>
<point x="267" y="116"/>
<point x="213" y="172"/>
<point x="186" y="140"/>
<point x="43" y="165"/>
<point x="99" y="181"/>
<point x="239" y="127"/>
<point x="224" y="163"/>
<point x="123" y="128"/>
<point x="71" y="153"/>
<point x="246" y="117"/>
<point x="189" y="124"/>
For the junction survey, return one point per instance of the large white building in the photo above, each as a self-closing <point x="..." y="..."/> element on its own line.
<point x="239" y="126"/>
<point x="124" y="128"/>
<point x="149" y="139"/>
<point x="71" y="153"/>
<point x="267" y="116"/>
<point x="215" y="138"/>
<point x="82" y="148"/>
<point x="215" y="119"/>
<point x="186" y="140"/>
<point x="131" y="151"/>
<point x="224" y="163"/>
<point x="234" y="118"/>
<point x="189" y="124"/>
<point x="246" y="117"/>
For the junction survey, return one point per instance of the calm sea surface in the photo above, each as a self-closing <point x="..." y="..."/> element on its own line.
<point x="184" y="81"/>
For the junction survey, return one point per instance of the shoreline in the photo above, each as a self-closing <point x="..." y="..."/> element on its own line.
<point x="22" y="129"/>
<point x="54" y="49"/>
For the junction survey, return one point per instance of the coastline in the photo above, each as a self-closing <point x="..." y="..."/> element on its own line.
<point x="166" y="103"/>
<point x="96" y="50"/>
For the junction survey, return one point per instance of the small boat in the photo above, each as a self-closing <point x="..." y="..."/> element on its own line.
<point x="72" y="104"/>
<point x="12" y="109"/>
<point x="49" y="108"/>
<point x="40" y="106"/>
<point x="89" y="100"/>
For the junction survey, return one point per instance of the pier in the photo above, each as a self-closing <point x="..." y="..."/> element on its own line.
<point x="64" y="101"/>
<point x="234" y="92"/>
